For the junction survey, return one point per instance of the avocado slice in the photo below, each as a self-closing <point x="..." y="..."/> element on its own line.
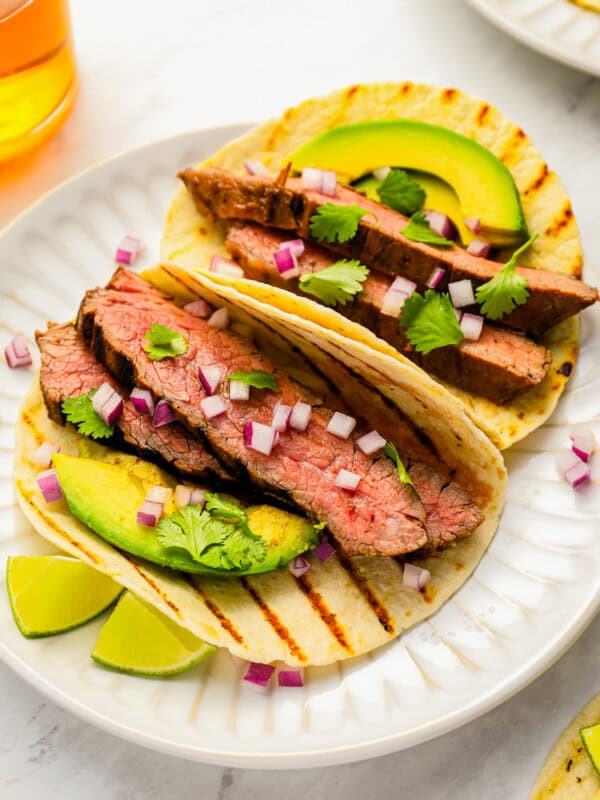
<point x="106" y="497"/>
<point x="482" y="183"/>
<point x="590" y="736"/>
<point x="439" y="196"/>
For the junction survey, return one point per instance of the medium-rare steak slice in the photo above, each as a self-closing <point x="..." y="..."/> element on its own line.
<point x="379" y="242"/>
<point x="68" y="369"/>
<point x="383" y="516"/>
<point x="499" y="366"/>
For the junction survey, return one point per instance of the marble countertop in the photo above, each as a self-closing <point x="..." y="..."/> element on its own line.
<point x="151" y="70"/>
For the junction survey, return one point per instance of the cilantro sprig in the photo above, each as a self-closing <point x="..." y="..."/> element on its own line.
<point x="507" y="289"/>
<point x="80" y="411"/>
<point x="391" y="452"/>
<point x="333" y="223"/>
<point x="217" y="536"/>
<point x="401" y="192"/>
<point x="256" y="378"/>
<point x="164" y="342"/>
<point x="430" y="321"/>
<point x="418" y="230"/>
<point x="338" y="283"/>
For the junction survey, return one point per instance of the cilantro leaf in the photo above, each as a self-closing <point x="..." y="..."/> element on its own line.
<point x="164" y="342"/>
<point x="80" y="411"/>
<point x="333" y="223"/>
<point x="401" y="192"/>
<point x="506" y="290"/>
<point x="217" y="536"/>
<point x="418" y="230"/>
<point x="337" y="283"/>
<point x="256" y="378"/>
<point x="430" y="321"/>
<point x="391" y="452"/>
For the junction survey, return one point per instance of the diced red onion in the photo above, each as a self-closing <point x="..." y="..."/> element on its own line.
<point x="17" y="352"/>
<point x="199" y="308"/>
<point x="347" y="480"/>
<point x="43" y="455"/>
<point x="255" y="167"/>
<point x="159" y="494"/>
<point x="370" y="443"/>
<point x="415" y="577"/>
<point x="341" y="425"/>
<point x="143" y="401"/>
<point x="49" y="486"/>
<point x="257" y="676"/>
<point x="300" y="416"/>
<point x="128" y="250"/>
<point x="210" y="377"/>
<point x="565" y="461"/>
<point x="471" y="326"/>
<point x="163" y="414"/>
<point x="461" y="293"/>
<point x="295" y="245"/>
<point x="473" y="224"/>
<point x="312" y="178"/>
<point x="329" y="183"/>
<point x="108" y="404"/>
<point x="281" y="417"/>
<point x="436" y="277"/>
<point x="290" y="677"/>
<point x="238" y="390"/>
<point x="323" y="550"/>
<point x="149" y="514"/>
<point x="403" y="285"/>
<point x="285" y="260"/>
<point x="479" y="248"/>
<point x="583" y="443"/>
<point x="213" y="406"/>
<point x="259" y="437"/>
<point x="198" y="497"/>
<point x="219" y="318"/>
<point x="223" y="266"/>
<point x="441" y="224"/>
<point x="381" y="173"/>
<point x="393" y="302"/>
<point x="298" y="566"/>
<point x="183" y="496"/>
<point x="578" y="474"/>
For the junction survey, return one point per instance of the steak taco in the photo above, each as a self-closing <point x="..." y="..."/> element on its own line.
<point x="415" y="220"/>
<point x="269" y="486"/>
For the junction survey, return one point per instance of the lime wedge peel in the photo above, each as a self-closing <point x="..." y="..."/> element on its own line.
<point x="590" y="736"/>
<point x="54" y="594"/>
<point x="137" y="639"/>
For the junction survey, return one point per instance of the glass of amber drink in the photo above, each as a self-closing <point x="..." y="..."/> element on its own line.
<point x="37" y="72"/>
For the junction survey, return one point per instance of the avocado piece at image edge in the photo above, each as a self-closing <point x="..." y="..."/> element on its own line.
<point x="483" y="184"/>
<point x="106" y="497"/>
<point x="439" y="196"/>
<point x="590" y="736"/>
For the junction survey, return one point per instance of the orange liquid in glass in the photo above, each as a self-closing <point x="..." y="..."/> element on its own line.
<point x="37" y="72"/>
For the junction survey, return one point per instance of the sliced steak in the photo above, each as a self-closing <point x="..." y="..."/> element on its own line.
<point x="499" y="366"/>
<point x="68" y="369"/>
<point x="383" y="517"/>
<point x="379" y="242"/>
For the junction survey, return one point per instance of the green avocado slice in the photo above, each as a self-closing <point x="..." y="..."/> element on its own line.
<point x="106" y="497"/>
<point x="483" y="184"/>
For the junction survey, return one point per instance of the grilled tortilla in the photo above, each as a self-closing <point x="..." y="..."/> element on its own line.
<point x="344" y="607"/>
<point x="190" y="239"/>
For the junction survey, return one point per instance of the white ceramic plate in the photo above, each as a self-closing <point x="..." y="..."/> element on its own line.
<point x="531" y="596"/>
<point x="558" y="28"/>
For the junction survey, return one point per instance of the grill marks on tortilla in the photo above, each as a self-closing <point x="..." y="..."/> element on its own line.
<point x="153" y="585"/>
<point x="271" y="617"/>
<point x="319" y="605"/>
<point x="362" y="584"/>
<point x="214" y="609"/>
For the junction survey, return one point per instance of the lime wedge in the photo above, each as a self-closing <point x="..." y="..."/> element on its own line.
<point x="140" y="640"/>
<point x="590" y="737"/>
<point x="53" y="594"/>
